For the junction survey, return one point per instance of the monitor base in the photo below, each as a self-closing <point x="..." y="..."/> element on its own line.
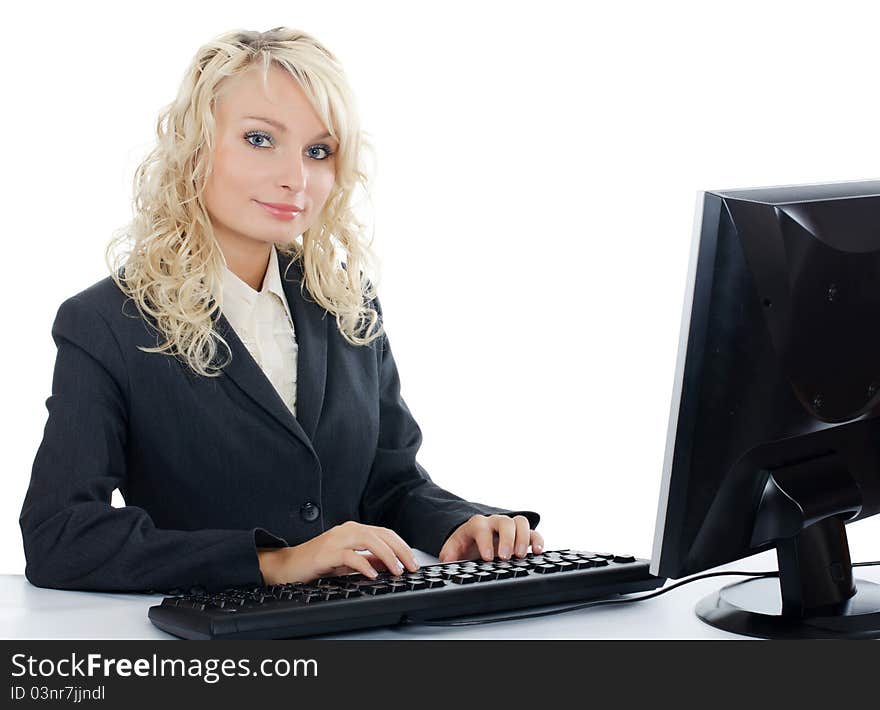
<point x="754" y="608"/>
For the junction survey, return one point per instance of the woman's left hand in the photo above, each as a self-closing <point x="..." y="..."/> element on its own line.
<point x="489" y="535"/>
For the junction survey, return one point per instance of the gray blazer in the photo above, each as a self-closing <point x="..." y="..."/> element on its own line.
<point x="211" y="469"/>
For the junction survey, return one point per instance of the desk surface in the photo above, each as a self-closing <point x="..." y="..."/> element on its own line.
<point x="28" y="612"/>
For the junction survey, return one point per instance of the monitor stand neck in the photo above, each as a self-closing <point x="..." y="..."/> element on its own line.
<point x="815" y="571"/>
<point x="803" y="511"/>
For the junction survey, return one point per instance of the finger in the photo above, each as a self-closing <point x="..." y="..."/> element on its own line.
<point x="537" y="541"/>
<point x="372" y="541"/>
<point x="359" y="563"/>
<point x="483" y="533"/>
<point x="506" y="528"/>
<point x="470" y="551"/>
<point x="450" y="549"/>
<point x="340" y="571"/>
<point x="460" y="546"/>
<point x="377" y="563"/>
<point x="401" y="549"/>
<point x="523" y="536"/>
<point x="356" y="536"/>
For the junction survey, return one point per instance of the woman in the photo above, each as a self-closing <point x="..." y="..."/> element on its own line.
<point x="285" y="459"/>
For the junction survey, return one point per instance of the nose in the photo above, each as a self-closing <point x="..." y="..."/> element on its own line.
<point x="296" y="175"/>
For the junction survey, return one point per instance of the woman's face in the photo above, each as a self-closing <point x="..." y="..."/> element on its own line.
<point x="292" y="163"/>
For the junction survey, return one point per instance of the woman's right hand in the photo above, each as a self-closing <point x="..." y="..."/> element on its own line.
<point x="335" y="552"/>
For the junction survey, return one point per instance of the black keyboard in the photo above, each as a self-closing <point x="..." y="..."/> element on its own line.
<point x="434" y="592"/>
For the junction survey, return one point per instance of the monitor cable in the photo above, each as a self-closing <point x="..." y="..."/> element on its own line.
<point x="601" y="602"/>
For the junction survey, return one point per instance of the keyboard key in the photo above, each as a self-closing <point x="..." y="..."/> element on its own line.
<point x="545" y="569"/>
<point x="484" y="576"/>
<point x="624" y="558"/>
<point x="464" y="579"/>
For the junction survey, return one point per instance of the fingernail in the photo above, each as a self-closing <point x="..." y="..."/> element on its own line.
<point x="504" y="553"/>
<point x="487" y="554"/>
<point x="399" y="567"/>
<point x="538" y="548"/>
<point x="521" y="550"/>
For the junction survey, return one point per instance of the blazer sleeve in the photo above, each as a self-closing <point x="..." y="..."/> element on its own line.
<point x="400" y="494"/>
<point x="73" y="537"/>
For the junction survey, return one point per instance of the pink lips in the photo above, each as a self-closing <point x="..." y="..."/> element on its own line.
<point x="279" y="210"/>
<point x="282" y="206"/>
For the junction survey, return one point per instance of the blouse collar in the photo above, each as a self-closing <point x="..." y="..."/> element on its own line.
<point x="239" y="299"/>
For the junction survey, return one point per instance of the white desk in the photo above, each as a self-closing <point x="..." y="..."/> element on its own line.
<point x="28" y="612"/>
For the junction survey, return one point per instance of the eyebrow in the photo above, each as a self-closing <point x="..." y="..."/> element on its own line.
<point x="281" y="127"/>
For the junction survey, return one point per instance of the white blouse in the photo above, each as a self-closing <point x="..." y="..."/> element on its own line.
<point x="263" y="322"/>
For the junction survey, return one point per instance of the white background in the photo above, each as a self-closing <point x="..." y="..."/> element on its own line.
<point x="538" y="165"/>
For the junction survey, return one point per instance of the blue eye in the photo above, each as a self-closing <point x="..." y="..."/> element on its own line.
<point x="257" y="134"/>
<point x="325" y="148"/>
<point x="263" y="136"/>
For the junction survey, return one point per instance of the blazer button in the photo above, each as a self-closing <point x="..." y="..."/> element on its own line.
<point x="309" y="512"/>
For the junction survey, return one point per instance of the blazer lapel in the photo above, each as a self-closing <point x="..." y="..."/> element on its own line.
<point x="311" y="336"/>
<point x="311" y="323"/>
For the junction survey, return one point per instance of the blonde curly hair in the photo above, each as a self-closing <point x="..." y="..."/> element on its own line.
<point x="174" y="265"/>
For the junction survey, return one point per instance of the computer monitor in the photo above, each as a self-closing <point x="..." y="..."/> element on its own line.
<point x="774" y="429"/>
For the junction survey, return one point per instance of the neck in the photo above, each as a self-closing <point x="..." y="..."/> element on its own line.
<point x="248" y="261"/>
